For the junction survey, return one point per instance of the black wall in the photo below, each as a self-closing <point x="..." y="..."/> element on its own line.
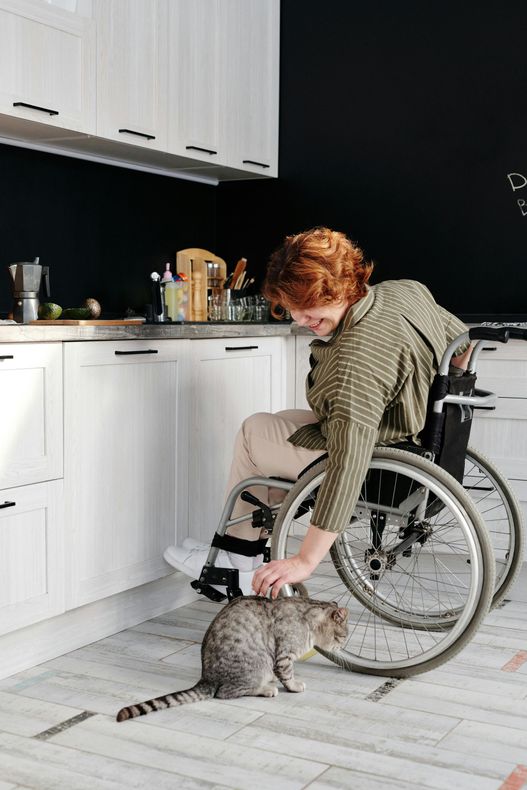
<point x="101" y="229"/>
<point x="399" y="124"/>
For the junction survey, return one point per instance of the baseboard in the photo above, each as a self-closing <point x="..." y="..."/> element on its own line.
<point x="48" y="639"/>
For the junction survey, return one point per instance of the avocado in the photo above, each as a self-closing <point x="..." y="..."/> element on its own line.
<point x="49" y="311"/>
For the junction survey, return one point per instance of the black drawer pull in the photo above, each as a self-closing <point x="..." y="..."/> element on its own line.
<point x="489" y="348"/>
<point x="7" y="504"/>
<point x="139" y="134"/>
<point x="7" y="356"/>
<point x="251" y="162"/>
<point x="203" y="150"/>
<point x="34" y="107"/>
<point x="239" y="348"/>
<point x="141" y="351"/>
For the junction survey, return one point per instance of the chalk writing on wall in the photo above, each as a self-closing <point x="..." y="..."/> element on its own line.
<point x="518" y="181"/>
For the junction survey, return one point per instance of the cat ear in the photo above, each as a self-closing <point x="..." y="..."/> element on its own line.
<point x="340" y="615"/>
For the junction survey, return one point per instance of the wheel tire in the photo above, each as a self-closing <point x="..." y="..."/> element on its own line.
<point x="506" y="576"/>
<point x="462" y="627"/>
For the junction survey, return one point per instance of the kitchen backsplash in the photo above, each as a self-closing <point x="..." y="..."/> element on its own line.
<point x="100" y="229"/>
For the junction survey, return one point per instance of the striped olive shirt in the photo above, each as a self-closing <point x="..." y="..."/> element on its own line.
<point x="369" y="385"/>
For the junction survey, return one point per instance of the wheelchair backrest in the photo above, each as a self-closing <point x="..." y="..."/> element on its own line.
<point x="446" y="433"/>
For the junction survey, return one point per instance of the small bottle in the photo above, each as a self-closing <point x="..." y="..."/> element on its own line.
<point x="167" y="274"/>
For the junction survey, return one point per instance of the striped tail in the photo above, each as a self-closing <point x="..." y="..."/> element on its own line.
<point x="200" y="691"/>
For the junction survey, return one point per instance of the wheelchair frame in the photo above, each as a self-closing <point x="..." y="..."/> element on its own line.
<point x="412" y="535"/>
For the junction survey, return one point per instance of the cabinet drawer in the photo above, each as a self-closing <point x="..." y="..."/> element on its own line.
<point x="503" y="438"/>
<point x="31" y="554"/>
<point x="503" y="369"/>
<point x="30" y="413"/>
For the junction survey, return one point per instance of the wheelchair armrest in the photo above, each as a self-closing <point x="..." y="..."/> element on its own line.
<point x="480" y="398"/>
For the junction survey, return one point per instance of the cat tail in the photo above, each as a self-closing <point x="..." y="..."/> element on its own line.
<point x="202" y="690"/>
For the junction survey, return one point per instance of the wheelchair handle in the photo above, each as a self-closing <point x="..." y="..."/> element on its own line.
<point x="499" y="334"/>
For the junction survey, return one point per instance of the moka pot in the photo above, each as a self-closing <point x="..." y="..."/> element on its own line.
<point x="26" y="280"/>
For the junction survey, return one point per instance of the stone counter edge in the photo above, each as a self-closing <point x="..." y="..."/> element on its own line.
<point x="25" y="333"/>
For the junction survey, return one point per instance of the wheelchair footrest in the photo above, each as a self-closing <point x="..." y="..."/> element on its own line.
<point x="208" y="591"/>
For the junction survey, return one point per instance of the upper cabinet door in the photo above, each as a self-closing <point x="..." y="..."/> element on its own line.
<point x="47" y="65"/>
<point x="131" y="71"/>
<point x="194" y="80"/>
<point x="251" y="83"/>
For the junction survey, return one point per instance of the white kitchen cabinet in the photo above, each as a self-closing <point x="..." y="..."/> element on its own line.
<point x="47" y="66"/>
<point x="125" y="462"/>
<point x="194" y="80"/>
<point x="31" y="554"/>
<point x="132" y="71"/>
<point x="250" y="84"/>
<point x="230" y="380"/>
<point x="30" y="413"/>
<point x="502" y="433"/>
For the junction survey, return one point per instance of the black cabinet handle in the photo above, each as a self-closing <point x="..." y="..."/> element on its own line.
<point x="34" y="107"/>
<point x="139" y="134"/>
<point x="203" y="150"/>
<point x="140" y="351"/>
<point x="251" y="162"/>
<point x="7" y="504"/>
<point x="7" y="356"/>
<point x="239" y="348"/>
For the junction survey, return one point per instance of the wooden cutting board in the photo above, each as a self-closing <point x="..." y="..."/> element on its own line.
<point x="89" y="322"/>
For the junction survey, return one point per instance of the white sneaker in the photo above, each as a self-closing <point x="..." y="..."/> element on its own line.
<point x="192" y="559"/>
<point x="190" y="543"/>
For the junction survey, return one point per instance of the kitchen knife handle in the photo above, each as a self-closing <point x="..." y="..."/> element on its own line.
<point x="239" y="348"/>
<point x="139" y="134"/>
<point x="252" y="162"/>
<point x="138" y="351"/>
<point x="7" y="504"/>
<point x="203" y="150"/>
<point x="35" y="107"/>
<point x="6" y="356"/>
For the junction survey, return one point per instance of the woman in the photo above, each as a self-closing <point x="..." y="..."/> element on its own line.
<point x="367" y="385"/>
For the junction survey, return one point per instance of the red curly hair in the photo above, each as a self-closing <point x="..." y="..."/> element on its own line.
<point x="315" y="268"/>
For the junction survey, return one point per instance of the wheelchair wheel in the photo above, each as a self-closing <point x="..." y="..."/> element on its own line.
<point x="415" y="566"/>
<point x="502" y="515"/>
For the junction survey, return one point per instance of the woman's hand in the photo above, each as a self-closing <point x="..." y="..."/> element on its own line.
<point x="276" y="573"/>
<point x="298" y="568"/>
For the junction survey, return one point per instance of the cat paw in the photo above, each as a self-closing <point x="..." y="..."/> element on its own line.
<point x="269" y="691"/>
<point x="295" y="685"/>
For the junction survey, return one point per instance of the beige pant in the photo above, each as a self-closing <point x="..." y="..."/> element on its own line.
<point x="261" y="448"/>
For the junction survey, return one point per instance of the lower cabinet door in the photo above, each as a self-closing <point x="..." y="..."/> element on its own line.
<point x="124" y="463"/>
<point x="232" y="378"/>
<point x="31" y="554"/>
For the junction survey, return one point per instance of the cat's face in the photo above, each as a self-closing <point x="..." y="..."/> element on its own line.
<point x="332" y="631"/>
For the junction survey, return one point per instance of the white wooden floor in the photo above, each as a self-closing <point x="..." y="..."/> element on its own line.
<point x="463" y="725"/>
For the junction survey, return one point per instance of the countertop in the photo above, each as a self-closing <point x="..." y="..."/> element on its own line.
<point x="32" y="333"/>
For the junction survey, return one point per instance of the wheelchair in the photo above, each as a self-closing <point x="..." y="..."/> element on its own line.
<point x="435" y="539"/>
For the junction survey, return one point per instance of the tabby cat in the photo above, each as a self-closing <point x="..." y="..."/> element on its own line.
<point x="251" y="644"/>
